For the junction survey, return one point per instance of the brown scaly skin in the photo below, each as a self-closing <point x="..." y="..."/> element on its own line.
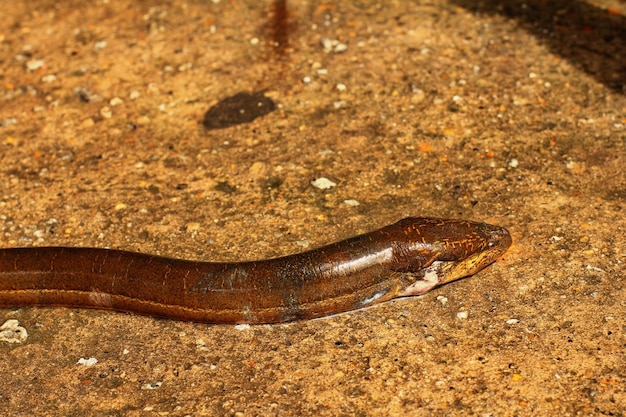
<point x="407" y="258"/>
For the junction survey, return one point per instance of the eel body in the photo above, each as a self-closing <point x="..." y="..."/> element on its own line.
<point x="406" y="258"/>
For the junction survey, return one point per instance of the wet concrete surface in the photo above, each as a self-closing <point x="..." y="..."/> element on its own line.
<point x="510" y="113"/>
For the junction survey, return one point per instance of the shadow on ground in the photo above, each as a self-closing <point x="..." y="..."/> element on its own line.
<point x="591" y="38"/>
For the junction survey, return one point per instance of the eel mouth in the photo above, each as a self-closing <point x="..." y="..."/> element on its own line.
<point x="498" y="243"/>
<point x="442" y="272"/>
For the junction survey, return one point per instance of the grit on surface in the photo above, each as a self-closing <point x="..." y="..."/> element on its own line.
<point x="511" y="113"/>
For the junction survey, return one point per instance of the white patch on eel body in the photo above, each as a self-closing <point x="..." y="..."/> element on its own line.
<point x="373" y="298"/>
<point x="431" y="278"/>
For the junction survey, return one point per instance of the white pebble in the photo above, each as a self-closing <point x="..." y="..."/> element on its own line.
<point x="48" y="78"/>
<point x="323" y="183"/>
<point x="87" y="362"/>
<point x="100" y="45"/>
<point x="106" y="112"/>
<point x="116" y="101"/>
<point x="35" y="64"/>
<point x="12" y="332"/>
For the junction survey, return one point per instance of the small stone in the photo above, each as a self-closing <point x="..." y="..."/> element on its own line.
<point x="48" y="78"/>
<point x="116" y="101"/>
<point x="106" y="112"/>
<point x="258" y="170"/>
<point x="185" y="67"/>
<point x="87" y="362"/>
<point x="12" y="332"/>
<point x="323" y="183"/>
<point x="340" y="47"/>
<point x="100" y="45"/>
<point x="35" y="64"/>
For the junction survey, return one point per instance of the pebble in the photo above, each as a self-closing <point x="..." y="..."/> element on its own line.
<point x="323" y="183"/>
<point x="106" y="112"/>
<point x="48" y="78"/>
<point x="35" y="64"/>
<point x="12" y="332"/>
<point x="87" y="362"/>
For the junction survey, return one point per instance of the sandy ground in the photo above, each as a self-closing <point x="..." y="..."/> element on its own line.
<point x="514" y="114"/>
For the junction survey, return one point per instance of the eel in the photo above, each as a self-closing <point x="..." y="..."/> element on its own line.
<point x="407" y="258"/>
